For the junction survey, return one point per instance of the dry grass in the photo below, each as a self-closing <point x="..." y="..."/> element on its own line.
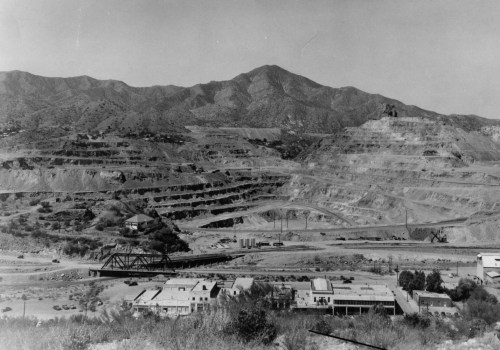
<point x="118" y="330"/>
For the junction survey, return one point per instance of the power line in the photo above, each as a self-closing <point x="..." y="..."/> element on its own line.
<point x="348" y="340"/>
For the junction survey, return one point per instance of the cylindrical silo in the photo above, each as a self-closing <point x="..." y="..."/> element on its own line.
<point x="253" y="242"/>
<point x="242" y="243"/>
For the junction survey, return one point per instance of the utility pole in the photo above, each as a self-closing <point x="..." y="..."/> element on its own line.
<point x="281" y="220"/>
<point x="286" y="219"/>
<point x="274" y="219"/>
<point x="457" y="268"/>
<point x="397" y="275"/>
<point x="406" y="218"/>
<point x="306" y="222"/>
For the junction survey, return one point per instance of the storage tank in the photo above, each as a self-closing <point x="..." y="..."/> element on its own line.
<point x="242" y="243"/>
<point x="253" y="243"/>
<point x="247" y="242"/>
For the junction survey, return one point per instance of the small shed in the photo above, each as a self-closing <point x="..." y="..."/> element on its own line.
<point x="139" y="222"/>
<point x="492" y="277"/>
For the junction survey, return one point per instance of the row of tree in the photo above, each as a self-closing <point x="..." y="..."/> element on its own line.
<point x="417" y="280"/>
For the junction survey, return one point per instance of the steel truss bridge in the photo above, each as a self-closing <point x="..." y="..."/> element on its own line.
<point x="129" y="264"/>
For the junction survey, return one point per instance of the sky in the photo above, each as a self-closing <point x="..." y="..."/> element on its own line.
<point x="441" y="55"/>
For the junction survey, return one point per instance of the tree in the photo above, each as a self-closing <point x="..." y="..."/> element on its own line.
<point x="463" y="290"/>
<point x="479" y="293"/>
<point x="405" y="278"/>
<point x="434" y="282"/>
<point x="418" y="282"/>
<point x="165" y="241"/>
<point x="90" y="299"/>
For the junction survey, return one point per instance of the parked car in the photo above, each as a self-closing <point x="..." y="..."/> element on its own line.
<point x="55" y="261"/>
<point x="20" y="256"/>
<point x="278" y="244"/>
<point x="132" y="283"/>
<point x="65" y="307"/>
<point x="56" y="307"/>
<point x="6" y="309"/>
<point x="72" y="307"/>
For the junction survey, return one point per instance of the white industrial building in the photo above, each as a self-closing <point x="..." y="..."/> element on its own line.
<point x="488" y="267"/>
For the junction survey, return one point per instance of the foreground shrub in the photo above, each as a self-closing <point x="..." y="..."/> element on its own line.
<point x="417" y="320"/>
<point x="253" y="325"/>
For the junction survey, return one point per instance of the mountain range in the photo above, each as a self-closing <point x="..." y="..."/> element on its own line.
<point x="268" y="96"/>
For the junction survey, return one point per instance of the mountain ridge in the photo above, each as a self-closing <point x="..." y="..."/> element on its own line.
<point x="267" y="96"/>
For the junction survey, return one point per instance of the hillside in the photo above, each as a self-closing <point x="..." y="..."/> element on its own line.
<point x="268" y="96"/>
<point x="243" y="152"/>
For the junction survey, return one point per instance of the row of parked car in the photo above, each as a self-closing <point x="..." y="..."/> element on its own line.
<point x="443" y="314"/>
<point x="65" y="307"/>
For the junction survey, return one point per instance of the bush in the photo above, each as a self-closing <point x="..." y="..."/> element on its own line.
<point x="323" y="327"/>
<point x="34" y="202"/>
<point x="253" y="325"/>
<point x="483" y="310"/>
<point x="124" y="231"/>
<point x="417" y="320"/>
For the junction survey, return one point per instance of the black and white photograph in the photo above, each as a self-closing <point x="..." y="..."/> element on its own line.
<point x="249" y="174"/>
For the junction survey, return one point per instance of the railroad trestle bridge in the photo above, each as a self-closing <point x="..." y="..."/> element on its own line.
<point x="134" y="264"/>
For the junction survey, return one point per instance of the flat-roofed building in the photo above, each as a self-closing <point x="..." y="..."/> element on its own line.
<point x="178" y="296"/>
<point x="424" y="298"/>
<point x="487" y="262"/>
<point x="352" y="299"/>
<point x="345" y="298"/>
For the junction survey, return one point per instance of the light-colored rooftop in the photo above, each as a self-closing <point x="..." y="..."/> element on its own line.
<point x="243" y="283"/>
<point x="489" y="259"/>
<point x="321" y="285"/>
<point x="204" y="285"/>
<point x="182" y="282"/>
<point x="146" y="296"/>
<point x="139" y="218"/>
<point x="423" y="293"/>
<point x="361" y="289"/>
<point x="493" y="274"/>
